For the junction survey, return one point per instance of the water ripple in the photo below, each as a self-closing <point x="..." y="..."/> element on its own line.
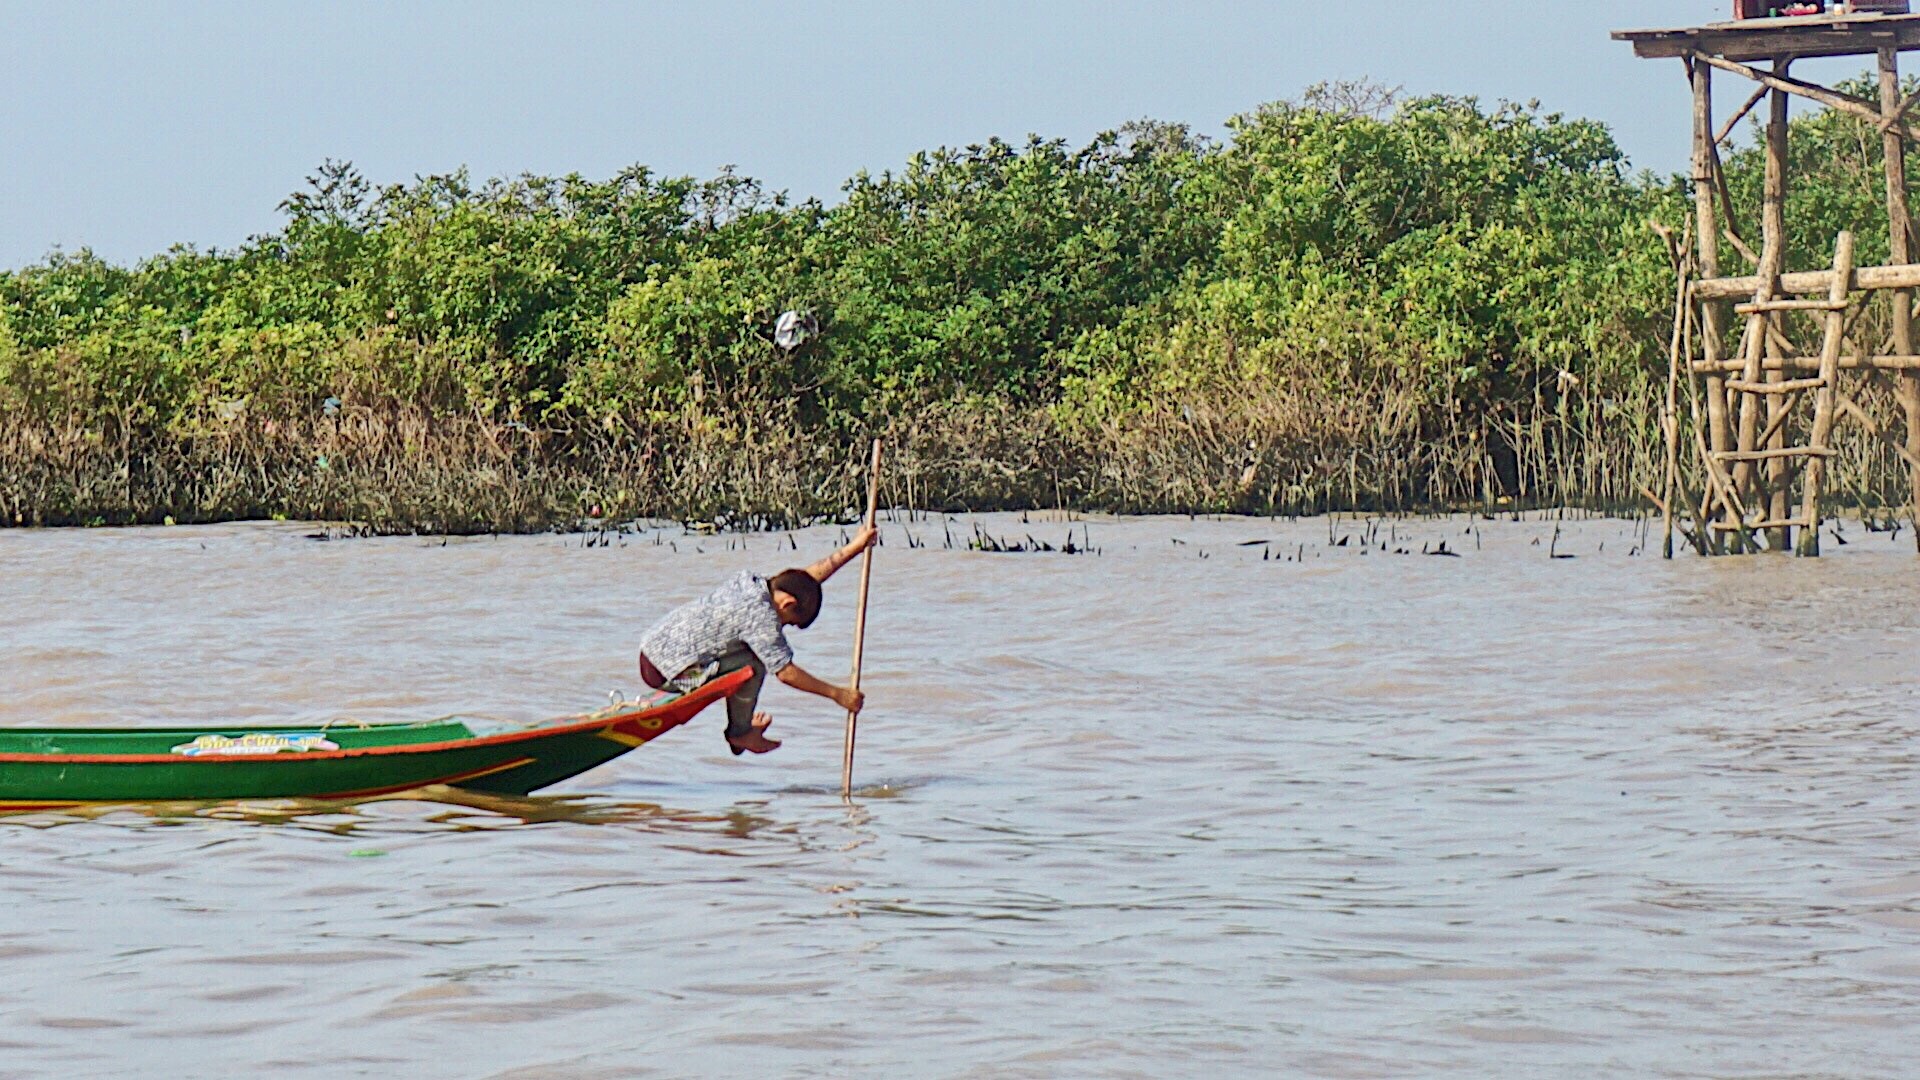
<point x="1137" y="814"/>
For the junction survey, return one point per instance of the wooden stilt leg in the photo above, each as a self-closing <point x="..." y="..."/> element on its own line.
<point x="1900" y="237"/>
<point x="1825" y="395"/>
<point x="1707" y="235"/>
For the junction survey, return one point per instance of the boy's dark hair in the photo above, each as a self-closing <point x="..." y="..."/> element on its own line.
<point x="805" y="591"/>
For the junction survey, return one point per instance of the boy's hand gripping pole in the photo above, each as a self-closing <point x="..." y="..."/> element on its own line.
<point x="860" y="620"/>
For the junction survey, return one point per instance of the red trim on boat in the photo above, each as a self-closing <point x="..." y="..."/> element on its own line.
<point x="688" y="705"/>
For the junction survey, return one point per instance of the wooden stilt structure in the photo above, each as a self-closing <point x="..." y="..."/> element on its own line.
<point x="1764" y="413"/>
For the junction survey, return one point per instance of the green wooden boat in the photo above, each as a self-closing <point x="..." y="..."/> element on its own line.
<point x="54" y="768"/>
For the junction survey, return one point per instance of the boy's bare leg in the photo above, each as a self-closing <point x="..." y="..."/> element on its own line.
<point x="746" y="729"/>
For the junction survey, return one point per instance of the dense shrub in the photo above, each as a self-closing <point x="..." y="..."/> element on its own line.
<point x="1351" y="301"/>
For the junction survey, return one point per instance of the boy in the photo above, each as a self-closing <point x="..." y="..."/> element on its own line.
<point x="742" y="625"/>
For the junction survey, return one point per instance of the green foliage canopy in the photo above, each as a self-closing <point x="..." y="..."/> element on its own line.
<point x="1479" y="258"/>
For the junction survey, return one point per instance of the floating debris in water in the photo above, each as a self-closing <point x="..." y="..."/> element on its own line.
<point x="987" y="542"/>
<point x="352" y="530"/>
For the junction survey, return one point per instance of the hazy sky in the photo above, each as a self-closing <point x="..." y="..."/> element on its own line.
<point x="127" y="127"/>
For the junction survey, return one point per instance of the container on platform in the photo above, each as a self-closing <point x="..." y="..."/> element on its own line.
<point x="1786" y="9"/>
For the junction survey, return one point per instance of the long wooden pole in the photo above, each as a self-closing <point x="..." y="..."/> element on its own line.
<point x="1670" y="412"/>
<point x="1832" y="99"/>
<point x="1773" y="262"/>
<point x="860" y="621"/>
<point x="1825" y="397"/>
<point x="1808" y="282"/>
<point x="1707" y="236"/>
<point x="1900" y="225"/>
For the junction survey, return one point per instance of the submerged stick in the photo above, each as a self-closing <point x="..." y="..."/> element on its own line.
<point x="860" y="621"/>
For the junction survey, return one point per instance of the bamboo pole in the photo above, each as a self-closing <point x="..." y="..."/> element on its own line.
<point x="1906" y="106"/>
<point x="1900" y="233"/>
<point x="1707" y="236"/>
<point x="1732" y="230"/>
<point x="1721" y="486"/>
<point x="1670" y="412"/>
<point x="1784" y="452"/>
<point x="1792" y="390"/>
<point x="1740" y="114"/>
<point x="1773" y="259"/>
<point x="1777" y="307"/>
<point x="1701" y="535"/>
<point x="1776" y="388"/>
<point x="860" y="622"/>
<point x="1823" y="401"/>
<point x="1779" y="469"/>
<point x="1812" y="363"/>
<point x="1832" y="99"/>
<point x="1809" y="282"/>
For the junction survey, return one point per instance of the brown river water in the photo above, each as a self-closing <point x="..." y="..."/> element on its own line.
<point x="1181" y="807"/>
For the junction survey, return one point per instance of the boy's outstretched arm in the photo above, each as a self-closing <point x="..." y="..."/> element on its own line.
<point x="862" y="540"/>
<point x="797" y="677"/>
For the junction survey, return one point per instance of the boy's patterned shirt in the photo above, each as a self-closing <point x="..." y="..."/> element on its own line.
<point x="738" y="613"/>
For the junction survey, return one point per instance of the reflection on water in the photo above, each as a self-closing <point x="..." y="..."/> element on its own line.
<point x="453" y="808"/>
<point x="1243" y="797"/>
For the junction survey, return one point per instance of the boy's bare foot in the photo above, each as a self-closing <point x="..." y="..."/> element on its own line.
<point x="755" y="740"/>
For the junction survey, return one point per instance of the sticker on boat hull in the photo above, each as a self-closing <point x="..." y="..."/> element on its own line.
<point x="258" y="743"/>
